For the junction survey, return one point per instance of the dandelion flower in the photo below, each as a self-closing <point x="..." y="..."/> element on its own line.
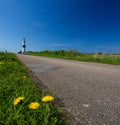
<point x="1" y="63"/>
<point x="18" y="100"/>
<point x="34" y="105"/>
<point x="24" y="77"/>
<point x="48" y="98"/>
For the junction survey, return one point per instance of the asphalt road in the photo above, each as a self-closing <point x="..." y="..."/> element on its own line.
<point x="89" y="91"/>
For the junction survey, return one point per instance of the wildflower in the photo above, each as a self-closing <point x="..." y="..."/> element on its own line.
<point x="1" y="63"/>
<point x="18" y="100"/>
<point x="48" y="98"/>
<point x="34" y="105"/>
<point x="24" y="77"/>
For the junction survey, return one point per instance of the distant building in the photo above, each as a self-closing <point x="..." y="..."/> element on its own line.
<point x="23" y="46"/>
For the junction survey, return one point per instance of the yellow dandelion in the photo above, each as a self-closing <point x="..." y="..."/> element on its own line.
<point x="48" y="98"/>
<point x="1" y="63"/>
<point x="24" y="77"/>
<point x="34" y="105"/>
<point x="18" y="100"/>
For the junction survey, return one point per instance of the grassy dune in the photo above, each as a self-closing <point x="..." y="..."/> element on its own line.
<point x="21" y="103"/>
<point x="74" y="55"/>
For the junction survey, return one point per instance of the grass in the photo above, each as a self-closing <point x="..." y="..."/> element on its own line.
<point x="21" y="102"/>
<point x="74" y="55"/>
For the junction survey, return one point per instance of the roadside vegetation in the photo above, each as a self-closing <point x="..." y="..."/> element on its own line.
<point x="75" y="55"/>
<point x="21" y="102"/>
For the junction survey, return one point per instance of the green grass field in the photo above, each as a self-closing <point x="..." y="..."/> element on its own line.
<point x="74" y="55"/>
<point x="21" y="102"/>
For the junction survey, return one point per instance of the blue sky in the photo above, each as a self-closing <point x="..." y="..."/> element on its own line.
<point x="83" y="25"/>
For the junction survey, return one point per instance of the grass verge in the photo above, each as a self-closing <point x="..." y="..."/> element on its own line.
<point x="74" y="55"/>
<point x="22" y="103"/>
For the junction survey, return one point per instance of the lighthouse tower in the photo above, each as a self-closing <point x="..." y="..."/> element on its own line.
<point x="23" y="46"/>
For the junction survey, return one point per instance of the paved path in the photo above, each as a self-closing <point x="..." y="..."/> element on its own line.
<point x="90" y="91"/>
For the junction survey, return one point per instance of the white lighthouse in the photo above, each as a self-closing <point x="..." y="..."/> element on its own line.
<point x="23" y="46"/>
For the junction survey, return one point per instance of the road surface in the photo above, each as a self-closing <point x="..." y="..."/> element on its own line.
<point x="90" y="92"/>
